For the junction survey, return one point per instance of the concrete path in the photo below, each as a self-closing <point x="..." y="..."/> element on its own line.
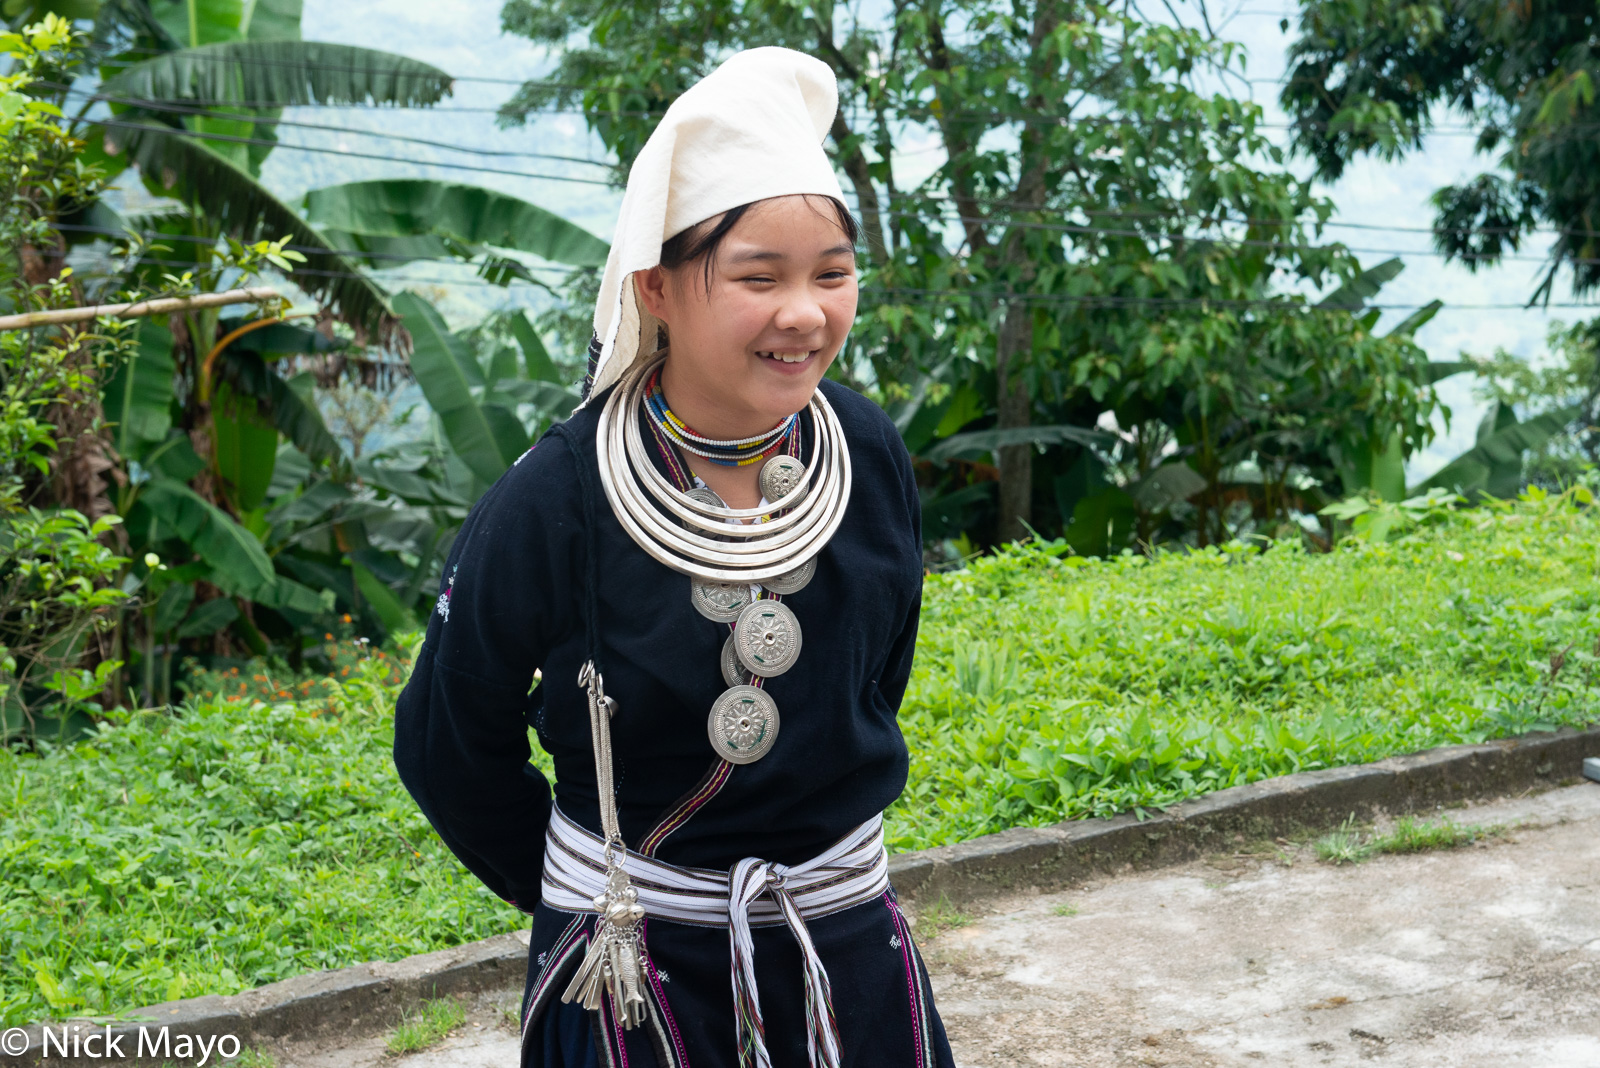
<point x="1481" y="957"/>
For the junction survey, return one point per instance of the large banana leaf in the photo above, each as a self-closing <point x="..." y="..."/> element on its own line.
<point x="1378" y="466"/>
<point x="405" y="207"/>
<point x="246" y="445"/>
<point x="290" y="405"/>
<point x="272" y="20"/>
<point x="244" y="208"/>
<point x="981" y="441"/>
<point x="1354" y="294"/>
<point x="138" y="395"/>
<point x="487" y="438"/>
<point x="238" y="563"/>
<point x="378" y="251"/>
<point x="535" y="357"/>
<point x="1494" y="465"/>
<point x="284" y="73"/>
<point x="197" y="22"/>
<point x="385" y="605"/>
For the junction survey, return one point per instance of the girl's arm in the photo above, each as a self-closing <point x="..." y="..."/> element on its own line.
<point x="461" y="724"/>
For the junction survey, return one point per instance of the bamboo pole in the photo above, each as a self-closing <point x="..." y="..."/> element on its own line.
<point x="143" y="307"/>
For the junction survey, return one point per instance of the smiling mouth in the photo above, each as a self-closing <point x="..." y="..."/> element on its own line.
<point x="788" y="357"/>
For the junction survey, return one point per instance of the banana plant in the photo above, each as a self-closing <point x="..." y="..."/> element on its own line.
<point x="167" y="520"/>
<point x="1493" y="466"/>
<point x="377" y="535"/>
<point x="392" y="221"/>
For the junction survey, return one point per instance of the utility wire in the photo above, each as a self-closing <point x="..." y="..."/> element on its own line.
<point x="909" y="195"/>
<point x="895" y="295"/>
<point x="923" y="113"/>
<point x="353" y="253"/>
<point x="172" y="131"/>
<point x="212" y="113"/>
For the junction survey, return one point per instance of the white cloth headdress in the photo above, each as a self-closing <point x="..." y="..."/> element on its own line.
<point x="749" y="130"/>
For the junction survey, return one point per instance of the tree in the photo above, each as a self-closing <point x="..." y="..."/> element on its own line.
<point x="1094" y="238"/>
<point x="57" y="570"/>
<point x="1372" y="77"/>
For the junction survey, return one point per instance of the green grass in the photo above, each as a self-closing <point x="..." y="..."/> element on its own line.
<point x="1348" y="845"/>
<point x="239" y="842"/>
<point x="1050" y="687"/>
<point x="939" y="916"/>
<point x="426" y="1026"/>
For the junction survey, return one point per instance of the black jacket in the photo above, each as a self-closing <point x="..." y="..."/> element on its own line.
<point x="512" y="602"/>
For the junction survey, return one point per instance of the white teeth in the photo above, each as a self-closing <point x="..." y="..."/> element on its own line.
<point x="786" y="357"/>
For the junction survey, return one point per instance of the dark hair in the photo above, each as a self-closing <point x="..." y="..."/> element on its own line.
<point x="702" y="241"/>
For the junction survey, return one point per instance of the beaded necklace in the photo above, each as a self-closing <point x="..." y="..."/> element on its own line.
<point x="740" y="452"/>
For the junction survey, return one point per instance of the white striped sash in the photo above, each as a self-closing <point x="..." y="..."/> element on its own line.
<point x="756" y="893"/>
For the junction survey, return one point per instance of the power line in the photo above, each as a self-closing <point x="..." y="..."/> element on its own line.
<point x="352" y="253"/>
<point x="273" y="143"/>
<point x="981" y="220"/>
<point x="1285" y="302"/>
<point x="211" y="113"/>
<point x="923" y="113"/>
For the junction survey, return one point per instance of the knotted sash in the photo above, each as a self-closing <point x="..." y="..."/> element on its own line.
<point x="756" y="893"/>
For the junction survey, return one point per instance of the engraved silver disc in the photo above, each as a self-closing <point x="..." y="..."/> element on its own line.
<point x="721" y="601"/>
<point x="779" y="475"/>
<point x="767" y="638"/>
<point x="743" y="724"/>
<point x="705" y="496"/>
<point x="793" y="581"/>
<point x="733" y="673"/>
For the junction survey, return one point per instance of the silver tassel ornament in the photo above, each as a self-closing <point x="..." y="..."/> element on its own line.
<point x="613" y="966"/>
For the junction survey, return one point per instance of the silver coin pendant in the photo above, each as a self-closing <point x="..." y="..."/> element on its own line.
<point x="705" y="496"/>
<point x="743" y="724"/>
<point x="767" y="638"/>
<point x="793" y="581"/>
<point x="733" y="672"/>
<point x="721" y="601"/>
<point x="780" y="475"/>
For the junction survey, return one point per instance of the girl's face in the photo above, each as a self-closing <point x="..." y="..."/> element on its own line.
<point x="750" y="352"/>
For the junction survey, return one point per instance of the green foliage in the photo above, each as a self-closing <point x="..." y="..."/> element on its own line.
<point x="1566" y="381"/>
<point x="427" y="1026"/>
<point x="1052" y="687"/>
<point x="465" y="214"/>
<point x="56" y="591"/>
<point x="939" y="916"/>
<point x="287" y="72"/>
<point x="1098" y="237"/>
<point x="1369" y="77"/>
<point x="1348" y="845"/>
<point x="58" y="567"/>
<point x="233" y="844"/>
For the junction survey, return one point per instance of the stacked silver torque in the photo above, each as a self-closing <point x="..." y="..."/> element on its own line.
<point x="726" y="552"/>
<point x="708" y="542"/>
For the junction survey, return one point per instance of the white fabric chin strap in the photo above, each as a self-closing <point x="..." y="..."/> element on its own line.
<point x="756" y="893"/>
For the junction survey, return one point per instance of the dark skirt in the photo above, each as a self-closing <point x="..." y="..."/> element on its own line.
<point x="881" y="996"/>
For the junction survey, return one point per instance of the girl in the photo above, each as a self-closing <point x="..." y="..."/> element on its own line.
<point x="715" y="567"/>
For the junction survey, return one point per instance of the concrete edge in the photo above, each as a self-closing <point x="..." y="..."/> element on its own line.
<point x="357" y="1000"/>
<point x="1055" y="856"/>
<point x="367" y="997"/>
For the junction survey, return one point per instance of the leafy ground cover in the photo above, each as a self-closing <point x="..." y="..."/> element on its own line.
<point x="257" y="835"/>
<point x="1052" y="687"/>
